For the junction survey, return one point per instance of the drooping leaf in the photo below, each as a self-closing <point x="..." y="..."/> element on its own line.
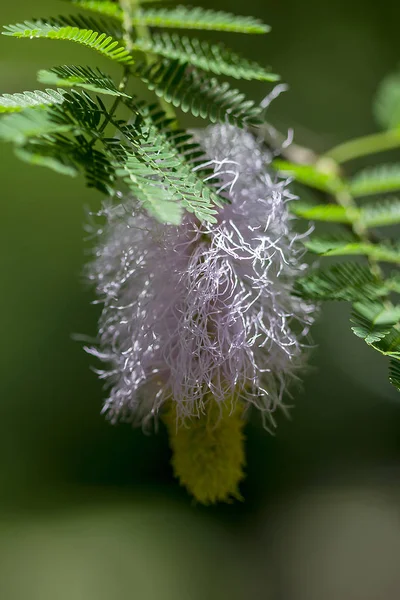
<point x="215" y="58"/>
<point x="180" y="17"/>
<point x="376" y="180"/>
<point x="373" y="321"/>
<point x="196" y="93"/>
<point x="57" y="29"/>
<point x="45" y="156"/>
<point x="87" y="78"/>
<point x="160" y="177"/>
<point x="38" y="98"/>
<point x="19" y="127"/>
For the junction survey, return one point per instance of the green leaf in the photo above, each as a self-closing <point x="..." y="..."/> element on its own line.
<point x="373" y="321"/>
<point x="319" y="176"/>
<point x="394" y="372"/>
<point x="326" y="246"/>
<point x="387" y="102"/>
<point x="87" y="78"/>
<point x="376" y="180"/>
<point x="344" y="281"/>
<point x="196" y="93"/>
<point x="181" y="17"/>
<point x="19" y="127"/>
<point x="57" y="30"/>
<point x="17" y="102"/>
<point x="215" y="58"/>
<point x="159" y="175"/>
<point x="56" y="162"/>
<point x="325" y="212"/>
<point x="386" y="211"/>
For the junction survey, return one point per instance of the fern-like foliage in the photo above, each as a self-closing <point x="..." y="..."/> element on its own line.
<point x="157" y="172"/>
<point x="376" y="180"/>
<point x="215" y="58"/>
<point x="180" y="17"/>
<point x="318" y="176"/>
<point x="381" y="213"/>
<point x="344" y="281"/>
<point x="17" y="102"/>
<point x="195" y="93"/>
<point x="93" y="80"/>
<point x="56" y="30"/>
<point x="394" y="372"/>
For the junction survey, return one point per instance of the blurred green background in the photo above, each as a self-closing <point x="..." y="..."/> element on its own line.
<point x="90" y="511"/>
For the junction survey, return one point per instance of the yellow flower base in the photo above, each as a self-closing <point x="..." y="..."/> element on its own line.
<point x="208" y="452"/>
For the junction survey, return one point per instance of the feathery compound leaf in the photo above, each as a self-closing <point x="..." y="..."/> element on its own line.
<point x="387" y="102"/>
<point x="383" y="212"/>
<point x="373" y="321"/>
<point x="47" y="155"/>
<point x="56" y="30"/>
<point x="215" y="58"/>
<point x="376" y="180"/>
<point x="345" y="281"/>
<point x="317" y="176"/>
<point x="376" y="325"/>
<point x="332" y="213"/>
<point x="161" y="178"/>
<point x="88" y="78"/>
<point x="394" y="372"/>
<point x="325" y="246"/>
<point x="20" y="127"/>
<point x="181" y="17"/>
<point x="195" y="93"/>
<point x="38" y="98"/>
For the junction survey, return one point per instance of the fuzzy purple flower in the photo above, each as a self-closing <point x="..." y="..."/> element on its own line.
<point x="203" y="310"/>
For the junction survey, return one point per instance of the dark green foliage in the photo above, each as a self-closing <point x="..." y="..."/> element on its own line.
<point x="215" y="58"/>
<point x="93" y="80"/>
<point x="181" y="17"/>
<point x="196" y="93"/>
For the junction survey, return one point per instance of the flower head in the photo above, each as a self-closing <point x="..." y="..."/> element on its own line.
<point x="203" y="310"/>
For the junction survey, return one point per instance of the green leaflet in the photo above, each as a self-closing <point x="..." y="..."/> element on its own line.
<point x="394" y="372"/>
<point x="87" y="78"/>
<point x="30" y="123"/>
<point x="345" y="281"/>
<point x="215" y="58"/>
<point x="387" y="102"/>
<point x="181" y="17"/>
<point x="385" y="211"/>
<point x="326" y="246"/>
<point x="56" y="30"/>
<point x="321" y="177"/>
<point x="373" y="321"/>
<point x="49" y="157"/>
<point x="38" y="98"/>
<point x="195" y="93"/>
<point x="154" y="169"/>
<point x="325" y="212"/>
<point x="376" y="180"/>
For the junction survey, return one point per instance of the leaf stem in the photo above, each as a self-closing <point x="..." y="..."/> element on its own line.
<point x="142" y="31"/>
<point x="365" y="145"/>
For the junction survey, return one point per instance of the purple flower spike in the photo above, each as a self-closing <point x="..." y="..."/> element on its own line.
<point x="203" y="309"/>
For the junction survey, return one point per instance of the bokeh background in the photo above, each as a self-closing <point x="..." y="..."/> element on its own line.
<point x="92" y="512"/>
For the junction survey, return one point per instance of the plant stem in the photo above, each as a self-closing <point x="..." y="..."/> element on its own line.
<point x="362" y="146"/>
<point x="142" y="31"/>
